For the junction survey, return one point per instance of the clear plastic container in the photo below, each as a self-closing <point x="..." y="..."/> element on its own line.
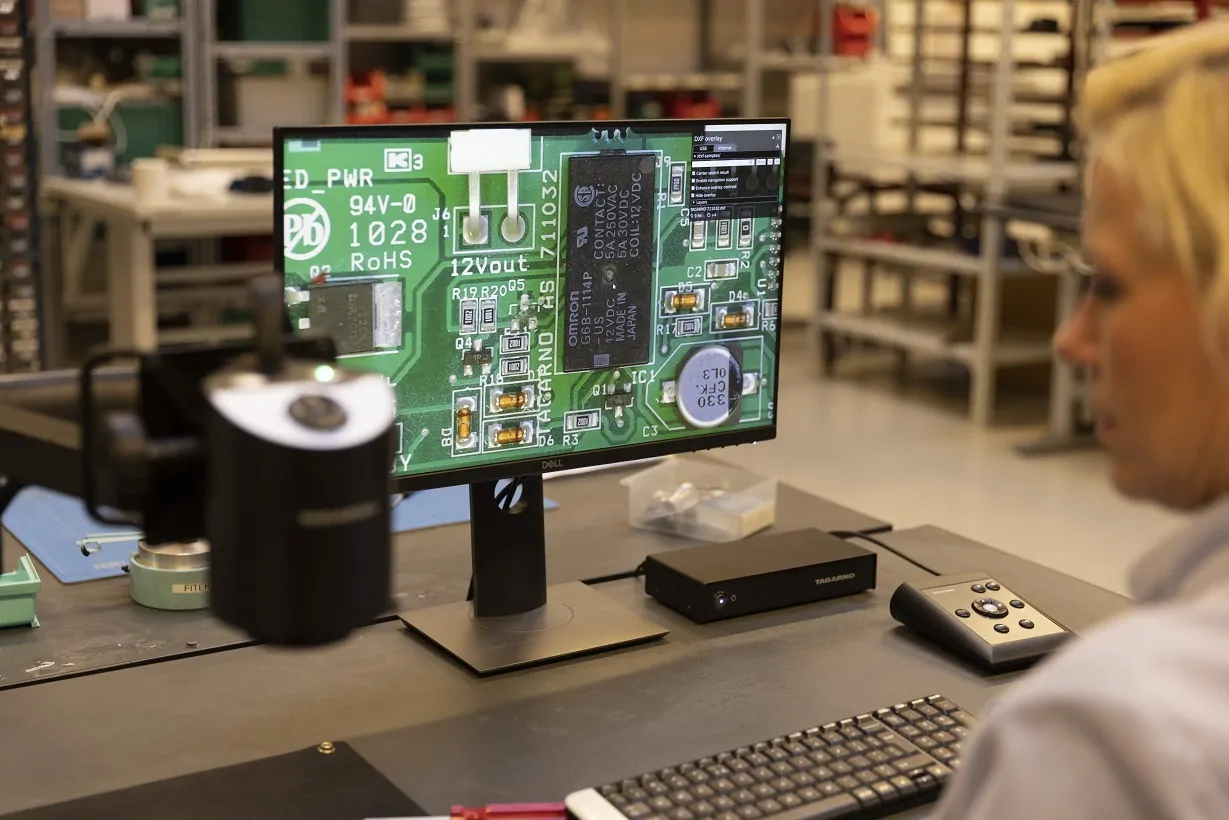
<point x="704" y="500"/>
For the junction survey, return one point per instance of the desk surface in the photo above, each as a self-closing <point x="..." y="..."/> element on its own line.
<point x="92" y="626"/>
<point x="446" y="737"/>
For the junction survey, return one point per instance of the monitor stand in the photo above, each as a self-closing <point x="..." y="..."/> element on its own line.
<point x="515" y="620"/>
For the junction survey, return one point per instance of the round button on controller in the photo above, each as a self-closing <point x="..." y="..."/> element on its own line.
<point x="1002" y="629"/>
<point x="993" y="586"/>
<point x="962" y="613"/>
<point x="978" y="588"/>
<point x="318" y="412"/>
<point x="990" y="608"/>
<point x="1017" y="604"/>
<point x="1027" y="624"/>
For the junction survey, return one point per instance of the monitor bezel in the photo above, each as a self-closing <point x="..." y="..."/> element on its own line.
<point x="589" y="458"/>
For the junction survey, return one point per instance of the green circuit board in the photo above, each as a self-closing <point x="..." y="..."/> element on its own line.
<point x="537" y="292"/>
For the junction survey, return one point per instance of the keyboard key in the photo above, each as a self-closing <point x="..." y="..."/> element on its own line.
<point x="885" y="771"/>
<point x="866" y="796"/>
<point x="911" y="715"/>
<point x="789" y="800"/>
<point x="723" y="786"/>
<point x="830" y="788"/>
<point x="635" y="793"/>
<point x="725" y="804"/>
<point x="738" y="765"/>
<point x="903" y="784"/>
<point x="859" y="762"/>
<point x="618" y="800"/>
<point x="909" y="732"/>
<point x="963" y="718"/>
<point x="706" y="809"/>
<point x="943" y="755"/>
<point x="770" y="807"/>
<point x="795" y="748"/>
<point x="763" y="773"/>
<point x="945" y="738"/>
<point x="656" y="788"/>
<point x="943" y="704"/>
<point x="851" y="732"/>
<point x="762" y="790"/>
<point x="927" y="726"/>
<point x="858" y="747"/>
<point x="839" y="752"/>
<point x="959" y="731"/>
<point x="939" y="772"/>
<point x="809" y="795"/>
<point x="944" y="722"/>
<point x="681" y="797"/>
<point x="776" y="753"/>
<point x="697" y="776"/>
<point x="636" y="810"/>
<point x="703" y="792"/>
<point x="925" y="743"/>
<point x="840" y="767"/>
<point x="886" y="791"/>
<point x="878" y="757"/>
<point x="718" y="770"/>
<point x="728" y="815"/>
<point x="832" y="738"/>
<point x="783" y="785"/>
<point x="756" y="759"/>
<point x="927" y="710"/>
<point x="680" y="814"/>
<point x="823" y="773"/>
<point x="866" y="776"/>
<point x="744" y="780"/>
<point x="819" y="758"/>
<point x="893" y="721"/>
<point x="802" y="779"/>
<point x="749" y="813"/>
<point x="848" y="782"/>
<point x="607" y="791"/>
<point x="662" y="804"/>
<point x="743" y="797"/>
<point x="676" y="781"/>
<point x="782" y="767"/>
<point x="815" y="742"/>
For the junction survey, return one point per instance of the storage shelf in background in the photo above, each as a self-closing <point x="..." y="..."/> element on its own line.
<point x="393" y="34"/>
<point x="918" y="256"/>
<point x="271" y="51"/>
<point x="136" y="27"/>
<point x="965" y="168"/>
<point x="695" y="81"/>
<point x="240" y="136"/>
<point x="936" y="335"/>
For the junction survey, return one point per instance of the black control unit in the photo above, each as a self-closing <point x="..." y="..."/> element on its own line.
<point x="718" y="581"/>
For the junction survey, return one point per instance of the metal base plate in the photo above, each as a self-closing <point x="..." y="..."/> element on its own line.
<point x="577" y="620"/>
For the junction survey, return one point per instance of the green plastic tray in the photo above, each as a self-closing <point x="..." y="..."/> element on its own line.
<point x="18" y="591"/>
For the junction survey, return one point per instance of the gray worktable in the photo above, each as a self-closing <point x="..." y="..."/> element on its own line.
<point x="446" y="737"/>
<point x="94" y="625"/>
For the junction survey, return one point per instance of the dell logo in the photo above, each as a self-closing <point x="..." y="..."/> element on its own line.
<point x="831" y="579"/>
<point x="552" y="464"/>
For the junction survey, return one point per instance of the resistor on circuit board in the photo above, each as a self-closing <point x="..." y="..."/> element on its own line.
<point x="510" y="435"/>
<point x="464" y="422"/>
<point x="511" y="401"/>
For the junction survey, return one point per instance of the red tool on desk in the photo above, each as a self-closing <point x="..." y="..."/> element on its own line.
<point x="512" y="811"/>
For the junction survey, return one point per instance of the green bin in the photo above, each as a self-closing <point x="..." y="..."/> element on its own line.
<point x="18" y="591"/>
<point x="143" y="126"/>
<point x="277" y="21"/>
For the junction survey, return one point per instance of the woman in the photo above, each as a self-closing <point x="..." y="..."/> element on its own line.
<point x="1132" y="720"/>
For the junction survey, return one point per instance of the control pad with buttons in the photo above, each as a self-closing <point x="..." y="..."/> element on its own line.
<point x="979" y="617"/>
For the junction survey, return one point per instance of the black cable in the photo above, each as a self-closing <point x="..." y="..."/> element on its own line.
<point x="894" y="551"/>
<point x="617" y="576"/>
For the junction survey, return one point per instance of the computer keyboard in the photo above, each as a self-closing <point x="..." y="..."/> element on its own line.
<point x="860" y="767"/>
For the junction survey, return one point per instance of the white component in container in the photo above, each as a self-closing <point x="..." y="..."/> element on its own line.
<point x="296" y="98"/>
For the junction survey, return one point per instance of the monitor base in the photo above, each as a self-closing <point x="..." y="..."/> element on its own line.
<point x="577" y="620"/>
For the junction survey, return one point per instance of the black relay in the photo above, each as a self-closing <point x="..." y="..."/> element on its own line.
<point x="610" y="259"/>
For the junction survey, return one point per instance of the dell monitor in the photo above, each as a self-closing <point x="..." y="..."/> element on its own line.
<point x="541" y="296"/>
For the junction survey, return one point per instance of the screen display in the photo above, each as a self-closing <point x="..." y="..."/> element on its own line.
<point x="553" y="293"/>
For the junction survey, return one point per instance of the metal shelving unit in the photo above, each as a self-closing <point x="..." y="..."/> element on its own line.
<point x="48" y="32"/>
<point x="974" y="262"/>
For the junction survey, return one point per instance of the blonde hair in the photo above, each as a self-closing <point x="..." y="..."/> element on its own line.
<point x="1159" y="118"/>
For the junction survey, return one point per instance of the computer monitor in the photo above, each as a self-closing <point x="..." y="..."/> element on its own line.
<point x="542" y="297"/>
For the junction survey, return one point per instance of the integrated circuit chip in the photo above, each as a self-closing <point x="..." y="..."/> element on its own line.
<point x="610" y="261"/>
<point x="360" y="317"/>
